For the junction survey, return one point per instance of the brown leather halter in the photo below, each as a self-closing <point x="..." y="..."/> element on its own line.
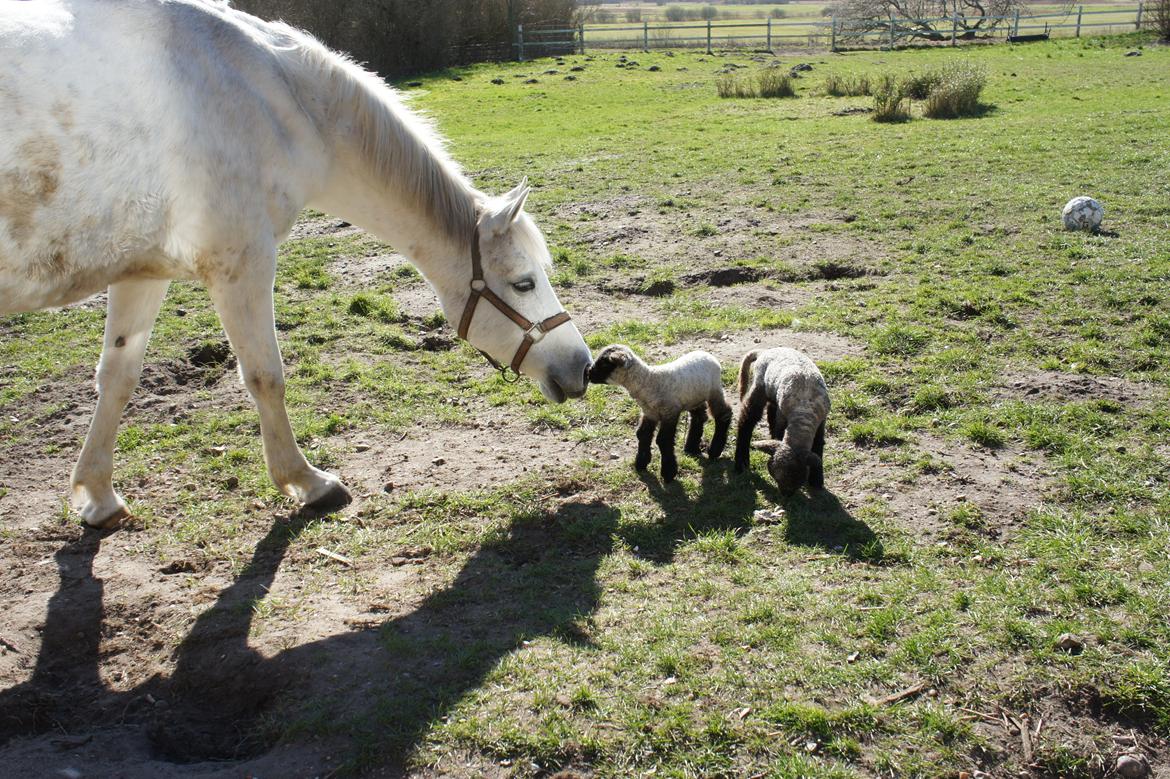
<point x="533" y="331"/>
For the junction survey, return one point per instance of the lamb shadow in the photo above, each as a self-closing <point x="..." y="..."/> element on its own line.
<point x="817" y="518"/>
<point x="726" y="500"/>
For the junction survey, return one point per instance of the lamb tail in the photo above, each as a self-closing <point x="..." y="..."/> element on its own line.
<point x="745" y="371"/>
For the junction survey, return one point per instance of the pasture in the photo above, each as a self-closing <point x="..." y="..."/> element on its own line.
<point x="507" y="597"/>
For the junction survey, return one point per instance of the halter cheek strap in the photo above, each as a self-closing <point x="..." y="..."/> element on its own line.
<point x="533" y="331"/>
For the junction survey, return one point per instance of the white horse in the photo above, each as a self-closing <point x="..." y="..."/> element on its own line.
<point x="143" y="141"/>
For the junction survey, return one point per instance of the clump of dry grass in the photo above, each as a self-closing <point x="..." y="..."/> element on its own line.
<point x="957" y="92"/>
<point x="889" y="104"/>
<point x="770" y="82"/>
<point x="851" y="85"/>
<point x="775" y="83"/>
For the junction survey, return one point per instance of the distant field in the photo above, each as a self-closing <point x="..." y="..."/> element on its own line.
<point x="794" y="23"/>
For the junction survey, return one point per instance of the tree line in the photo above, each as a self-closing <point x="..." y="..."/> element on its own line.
<point x="400" y="37"/>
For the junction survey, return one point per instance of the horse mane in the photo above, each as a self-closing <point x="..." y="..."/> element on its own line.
<point x="399" y="144"/>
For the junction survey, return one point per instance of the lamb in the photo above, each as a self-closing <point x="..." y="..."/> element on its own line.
<point x="691" y="383"/>
<point x="789" y="386"/>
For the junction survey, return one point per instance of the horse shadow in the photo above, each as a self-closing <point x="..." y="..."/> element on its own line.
<point x="381" y="688"/>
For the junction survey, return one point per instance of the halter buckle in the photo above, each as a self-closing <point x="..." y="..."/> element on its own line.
<point x="535" y="333"/>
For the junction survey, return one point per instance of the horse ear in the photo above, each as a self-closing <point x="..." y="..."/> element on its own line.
<point x="505" y="210"/>
<point x="768" y="446"/>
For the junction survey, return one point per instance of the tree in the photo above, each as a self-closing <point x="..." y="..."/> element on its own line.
<point x="929" y="19"/>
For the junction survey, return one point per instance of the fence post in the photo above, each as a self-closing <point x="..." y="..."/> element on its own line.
<point x="891" y="33"/>
<point x="1016" y="25"/>
<point x="709" y="37"/>
<point x="645" y="36"/>
<point x="581" y="33"/>
<point x="769" y="45"/>
<point x="833" y="40"/>
<point x="954" y="27"/>
<point x="1138" y="24"/>
<point x="1080" y="10"/>
<point x="520" y="42"/>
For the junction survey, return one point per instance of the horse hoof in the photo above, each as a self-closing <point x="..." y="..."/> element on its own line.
<point x="109" y="521"/>
<point x="337" y="497"/>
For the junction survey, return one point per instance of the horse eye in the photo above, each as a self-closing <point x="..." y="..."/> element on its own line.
<point x="527" y="285"/>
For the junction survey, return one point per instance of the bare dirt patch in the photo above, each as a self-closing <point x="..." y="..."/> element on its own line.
<point x="1057" y="385"/>
<point x="1004" y="485"/>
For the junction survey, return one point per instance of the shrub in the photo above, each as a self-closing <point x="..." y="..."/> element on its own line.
<point x="1158" y="17"/>
<point x="731" y="85"/>
<point x="709" y="12"/>
<point x="675" y="13"/>
<point x="848" y="85"/>
<point x="888" y="103"/>
<point x="919" y="86"/>
<point x="957" y="92"/>
<point x="634" y="15"/>
<point x="776" y="83"/>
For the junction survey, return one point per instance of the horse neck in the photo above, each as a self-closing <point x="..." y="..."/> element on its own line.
<point x="388" y="175"/>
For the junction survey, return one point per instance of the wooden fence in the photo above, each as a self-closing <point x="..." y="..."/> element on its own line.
<point x="831" y="33"/>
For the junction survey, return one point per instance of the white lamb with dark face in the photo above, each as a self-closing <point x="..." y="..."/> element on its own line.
<point x="693" y="383"/>
<point x="788" y="385"/>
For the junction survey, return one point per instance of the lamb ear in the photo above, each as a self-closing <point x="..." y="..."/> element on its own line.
<point x="770" y="446"/>
<point x="505" y="210"/>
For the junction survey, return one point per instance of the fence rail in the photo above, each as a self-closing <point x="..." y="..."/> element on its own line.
<point x="831" y="33"/>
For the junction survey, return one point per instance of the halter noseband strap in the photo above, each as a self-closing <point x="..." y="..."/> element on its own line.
<point x="533" y="331"/>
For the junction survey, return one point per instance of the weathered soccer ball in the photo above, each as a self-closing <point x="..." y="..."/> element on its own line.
<point x="1082" y="213"/>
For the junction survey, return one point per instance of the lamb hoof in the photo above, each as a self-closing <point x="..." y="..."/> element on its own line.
<point x="668" y="475"/>
<point x="695" y="451"/>
<point x="336" y="498"/>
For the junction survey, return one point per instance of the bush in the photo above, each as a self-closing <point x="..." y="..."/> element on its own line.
<point x="634" y="15"/>
<point x="957" y="92"/>
<point x="919" y="86"/>
<point x="734" y="86"/>
<point x="1158" y="17"/>
<point x="888" y="103"/>
<point x="776" y="83"/>
<point x="848" y="85"/>
<point x="709" y="12"/>
<point x="675" y="13"/>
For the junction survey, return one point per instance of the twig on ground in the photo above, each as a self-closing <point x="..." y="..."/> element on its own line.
<point x="334" y="556"/>
<point x="910" y="691"/>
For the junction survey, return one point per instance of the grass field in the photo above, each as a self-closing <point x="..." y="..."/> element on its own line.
<point x="996" y="461"/>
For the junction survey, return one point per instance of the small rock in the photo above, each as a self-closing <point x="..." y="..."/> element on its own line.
<point x="1067" y="642"/>
<point x="439" y="461"/>
<point x="388" y="487"/>
<point x="180" y="312"/>
<point x="457" y="78"/>
<point x="1133" y="53"/>
<point x="1132" y="767"/>
<point x="531" y="81"/>
<point x="577" y="68"/>
<point x="231" y="482"/>
<point x="497" y="81"/>
<point x="414" y="83"/>
<point x="361" y="448"/>
<point x="653" y="68"/>
<point x="570" y="78"/>
<point x="614" y="456"/>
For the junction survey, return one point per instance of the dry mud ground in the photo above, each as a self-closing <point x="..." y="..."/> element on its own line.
<point x="116" y="663"/>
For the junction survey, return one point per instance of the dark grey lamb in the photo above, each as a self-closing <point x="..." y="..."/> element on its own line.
<point x="788" y="385"/>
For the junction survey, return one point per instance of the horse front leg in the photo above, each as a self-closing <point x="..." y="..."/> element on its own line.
<point x="245" y="308"/>
<point x="130" y="313"/>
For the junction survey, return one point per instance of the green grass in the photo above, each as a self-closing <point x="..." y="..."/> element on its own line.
<point x="583" y="617"/>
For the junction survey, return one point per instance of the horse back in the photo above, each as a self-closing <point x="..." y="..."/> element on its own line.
<point x="140" y="137"/>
